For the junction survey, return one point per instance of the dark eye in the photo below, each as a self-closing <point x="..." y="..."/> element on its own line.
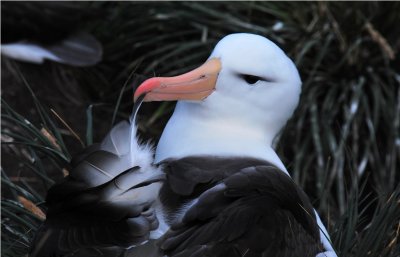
<point x="250" y="79"/>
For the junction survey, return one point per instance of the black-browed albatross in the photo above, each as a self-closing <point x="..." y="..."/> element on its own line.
<point x="229" y="111"/>
<point x="226" y="192"/>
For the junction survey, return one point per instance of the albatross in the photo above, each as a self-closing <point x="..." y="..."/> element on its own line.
<point x="228" y="113"/>
<point x="216" y="187"/>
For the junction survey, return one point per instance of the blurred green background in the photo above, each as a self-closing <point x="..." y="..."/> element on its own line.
<point x="342" y="145"/>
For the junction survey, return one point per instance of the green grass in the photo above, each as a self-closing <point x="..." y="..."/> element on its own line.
<point x="342" y="144"/>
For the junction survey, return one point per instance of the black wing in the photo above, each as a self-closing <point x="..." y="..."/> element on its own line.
<point x="188" y="177"/>
<point x="258" y="211"/>
<point x="104" y="202"/>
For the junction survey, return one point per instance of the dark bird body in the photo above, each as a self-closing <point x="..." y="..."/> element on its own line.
<point x="245" y="207"/>
<point x="242" y="207"/>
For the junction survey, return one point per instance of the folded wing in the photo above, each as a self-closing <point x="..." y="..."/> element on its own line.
<point x="258" y="211"/>
<point x="105" y="202"/>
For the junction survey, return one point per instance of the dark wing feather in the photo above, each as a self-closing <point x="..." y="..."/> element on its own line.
<point x="258" y="211"/>
<point x="188" y="174"/>
<point x="105" y="204"/>
<point x="188" y="177"/>
<point x="78" y="49"/>
<point x="99" y="217"/>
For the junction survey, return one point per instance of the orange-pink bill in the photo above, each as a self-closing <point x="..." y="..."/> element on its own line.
<point x="193" y="85"/>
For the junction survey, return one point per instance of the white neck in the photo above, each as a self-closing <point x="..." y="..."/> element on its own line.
<point x="188" y="134"/>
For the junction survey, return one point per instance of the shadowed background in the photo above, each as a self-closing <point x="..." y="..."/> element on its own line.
<point x="342" y="144"/>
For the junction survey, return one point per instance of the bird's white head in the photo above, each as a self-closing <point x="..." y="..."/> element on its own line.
<point x="233" y="105"/>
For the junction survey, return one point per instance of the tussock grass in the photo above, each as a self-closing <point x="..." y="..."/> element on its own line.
<point x="342" y="144"/>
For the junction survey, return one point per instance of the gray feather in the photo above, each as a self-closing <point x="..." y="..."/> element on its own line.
<point x="80" y="49"/>
<point x="106" y="200"/>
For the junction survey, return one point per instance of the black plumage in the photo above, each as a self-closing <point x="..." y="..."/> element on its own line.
<point x="105" y="204"/>
<point x="190" y="176"/>
<point x="255" y="210"/>
<point x="237" y="207"/>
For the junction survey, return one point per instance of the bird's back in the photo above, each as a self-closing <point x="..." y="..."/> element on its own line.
<point x="238" y="207"/>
